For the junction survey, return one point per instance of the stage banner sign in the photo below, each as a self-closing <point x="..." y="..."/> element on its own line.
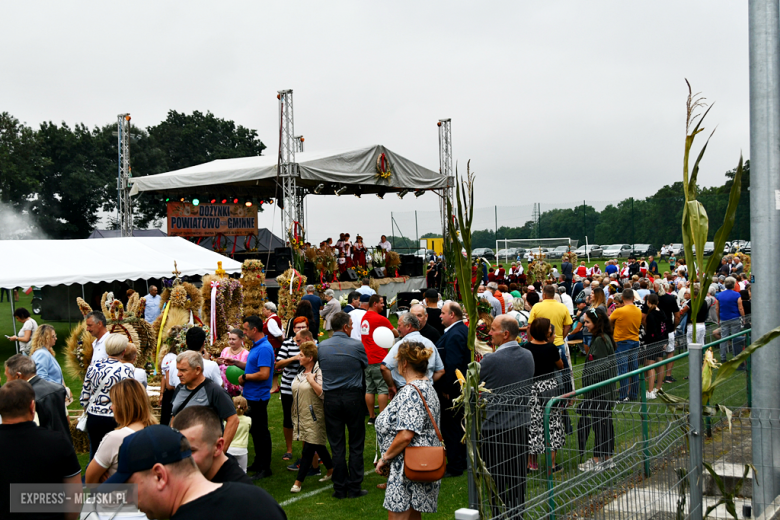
<point x="208" y="220"/>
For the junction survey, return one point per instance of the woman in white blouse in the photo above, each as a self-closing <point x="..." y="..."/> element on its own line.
<point x="95" y="395"/>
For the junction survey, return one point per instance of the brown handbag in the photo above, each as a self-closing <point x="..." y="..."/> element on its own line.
<point x="425" y="463"/>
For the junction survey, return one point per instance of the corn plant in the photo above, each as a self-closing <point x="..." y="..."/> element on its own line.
<point x="469" y="399"/>
<point x="695" y="223"/>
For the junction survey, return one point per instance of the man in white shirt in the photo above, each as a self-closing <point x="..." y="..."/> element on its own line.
<point x="384" y="244"/>
<point x="96" y="325"/>
<point x="152" y="309"/>
<point x="196" y="341"/>
<point x="566" y="299"/>
<point x="366" y="289"/>
<point x="529" y="255"/>
<point x="409" y="329"/>
<point x="356" y="316"/>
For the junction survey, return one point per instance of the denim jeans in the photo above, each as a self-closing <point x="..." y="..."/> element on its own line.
<point x="729" y="328"/>
<point x="628" y="361"/>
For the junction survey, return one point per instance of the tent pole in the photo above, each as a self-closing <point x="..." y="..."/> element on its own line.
<point x="13" y="319"/>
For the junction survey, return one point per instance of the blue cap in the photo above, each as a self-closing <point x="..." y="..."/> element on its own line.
<point x="364" y="298"/>
<point x="145" y="448"/>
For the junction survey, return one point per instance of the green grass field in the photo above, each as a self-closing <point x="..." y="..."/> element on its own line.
<point x="453" y="494"/>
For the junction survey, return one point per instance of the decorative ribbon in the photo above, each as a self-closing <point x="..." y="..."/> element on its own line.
<point x="295" y="229"/>
<point x="299" y="280"/>
<point x="213" y="335"/>
<point x="233" y="253"/>
<point x="159" y="339"/>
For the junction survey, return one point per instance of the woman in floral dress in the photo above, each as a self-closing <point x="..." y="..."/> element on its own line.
<point x="405" y="422"/>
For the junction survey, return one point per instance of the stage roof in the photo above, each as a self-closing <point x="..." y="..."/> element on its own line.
<point x="65" y="262"/>
<point x="356" y="170"/>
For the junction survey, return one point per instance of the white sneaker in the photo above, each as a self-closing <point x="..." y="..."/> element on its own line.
<point x="295" y="489"/>
<point x="606" y="464"/>
<point x="326" y="478"/>
<point x="655" y="393"/>
<point x="588" y="465"/>
<point x="649" y="396"/>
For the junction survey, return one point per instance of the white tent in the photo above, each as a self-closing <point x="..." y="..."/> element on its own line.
<point x="55" y="262"/>
<point x="352" y="170"/>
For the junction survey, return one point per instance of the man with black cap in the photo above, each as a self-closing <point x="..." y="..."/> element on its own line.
<point x="433" y="310"/>
<point x="356" y="316"/>
<point x="159" y="461"/>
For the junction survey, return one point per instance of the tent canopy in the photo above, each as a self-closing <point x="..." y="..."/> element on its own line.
<point x="355" y="170"/>
<point x="116" y="233"/>
<point x="56" y="262"/>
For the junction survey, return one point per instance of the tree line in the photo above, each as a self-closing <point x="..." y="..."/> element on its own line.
<point x="63" y="176"/>
<point x="654" y="220"/>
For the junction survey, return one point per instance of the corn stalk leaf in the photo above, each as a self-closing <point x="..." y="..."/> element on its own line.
<point x="727" y="369"/>
<point x="728" y="221"/>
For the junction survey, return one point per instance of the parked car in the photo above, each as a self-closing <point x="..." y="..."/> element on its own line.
<point x="618" y="251"/>
<point x="644" y="250"/>
<point x="558" y="252"/>
<point x="677" y="249"/>
<point x="746" y="249"/>
<point x="507" y="255"/>
<point x="592" y="249"/>
<point x="483" y="252"/>
<point x="709" y="248"/>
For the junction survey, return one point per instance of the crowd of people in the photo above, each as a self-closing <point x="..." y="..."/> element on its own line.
<point x="338" y="393"/>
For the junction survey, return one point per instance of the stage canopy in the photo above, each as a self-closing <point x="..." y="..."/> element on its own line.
<point x="56" y="262"/>
<point x="256" y="176"/>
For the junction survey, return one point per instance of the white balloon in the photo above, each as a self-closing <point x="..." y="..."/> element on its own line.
<point x="383" y="337"/>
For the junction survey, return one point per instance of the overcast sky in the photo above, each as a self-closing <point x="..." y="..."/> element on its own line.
<point x="553" y="102"/>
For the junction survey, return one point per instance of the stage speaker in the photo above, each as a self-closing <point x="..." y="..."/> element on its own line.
<point x="377" y="272"/>
<point x="404" y="299"/>
<point x="282" y="259"/>
<point x="309" y="271"/>
<point x="348" y="276"/>
<point x="411" y="265"/>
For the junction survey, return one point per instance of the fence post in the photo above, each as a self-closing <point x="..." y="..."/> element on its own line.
<point x="473" y="494"/>
<point x="747" y="373"/>
<point x="695" y="424"/>
<point x="548" y="458"/>
<point x="645" y="430"/>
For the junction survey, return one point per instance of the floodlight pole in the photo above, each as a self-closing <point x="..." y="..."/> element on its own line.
<point x="292" y="196"/>
<point x="764" y="47"/>
<point x="124" y="206"/>
<point x="445" y="168"/>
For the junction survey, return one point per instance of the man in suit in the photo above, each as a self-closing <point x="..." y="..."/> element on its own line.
<point x="505" y="430"/>
<point x="49" y="397"/>
<point x="454" y="352"/>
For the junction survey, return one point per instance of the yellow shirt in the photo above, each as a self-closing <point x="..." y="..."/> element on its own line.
<point x="556" y="312"/>
<point x="626" y="321"/>
<point x="241" y="438"/>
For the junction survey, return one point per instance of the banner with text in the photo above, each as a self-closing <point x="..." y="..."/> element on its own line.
<point x="207" y="220"/>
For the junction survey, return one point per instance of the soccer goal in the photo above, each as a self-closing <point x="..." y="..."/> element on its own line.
<point x="509" y="249"/>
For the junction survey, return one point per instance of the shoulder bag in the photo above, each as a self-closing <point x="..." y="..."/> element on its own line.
<point x="425" y="463"/>
<point x="183" y="405"/>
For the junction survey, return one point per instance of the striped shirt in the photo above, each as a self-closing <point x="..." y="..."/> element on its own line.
<point x="289" y="349"/>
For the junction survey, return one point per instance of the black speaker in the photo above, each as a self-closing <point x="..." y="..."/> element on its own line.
<point x="348" y="276"/>
<point x="309" y="271"/>
<point x="377" y="272"/>
<point x="404" y="299"/>
<point x="282" y="259"/>
<point x="411" y="265"/>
